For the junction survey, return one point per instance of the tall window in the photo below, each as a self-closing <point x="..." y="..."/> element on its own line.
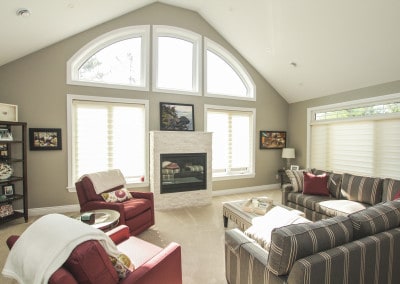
<point x="225" y="76"/>
<point x="117" y="59"/>
<point x="361" y="137"/>
<point x="176" y="55"/>
<point x="233" y="140"/>
<point x="106" y="134"/>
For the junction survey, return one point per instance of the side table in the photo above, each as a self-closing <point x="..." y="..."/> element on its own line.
<point x="283" y="177"/>
<point x="104" y="219"/>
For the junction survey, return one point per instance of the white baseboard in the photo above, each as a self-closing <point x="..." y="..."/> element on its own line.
<point x="55" y="209"/>
<point x="76" y="207"/>
<point x="245" y="189"/>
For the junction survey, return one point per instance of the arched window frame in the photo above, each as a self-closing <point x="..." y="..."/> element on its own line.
<point x="94" y="46"/>
<point x="182" y="34"/>
<point x="231" y="60"/>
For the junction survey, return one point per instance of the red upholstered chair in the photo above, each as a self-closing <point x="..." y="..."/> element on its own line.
<point x="137" y="213"/>
<point x="89" y="262"/>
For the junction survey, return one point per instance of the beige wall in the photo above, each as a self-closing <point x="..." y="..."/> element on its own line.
<point x="37" y="84"/>
<point x="297" y="115"/>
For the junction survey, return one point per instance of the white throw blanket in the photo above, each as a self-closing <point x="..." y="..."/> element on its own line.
<point x="45" y="246"/>
<point x="106" y="180"/>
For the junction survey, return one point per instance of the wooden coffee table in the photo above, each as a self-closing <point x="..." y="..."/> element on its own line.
<point x="233" y="210"/>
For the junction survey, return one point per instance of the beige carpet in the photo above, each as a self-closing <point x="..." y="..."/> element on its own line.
<point x="199" y="230"/>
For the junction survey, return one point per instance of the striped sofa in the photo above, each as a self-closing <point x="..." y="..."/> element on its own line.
<point x="348" y="194"/>
<point x="363" y="247"/>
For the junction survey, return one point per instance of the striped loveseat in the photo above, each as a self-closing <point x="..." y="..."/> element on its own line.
<point x="348" y="193"/>
<point x="363" y="247"/>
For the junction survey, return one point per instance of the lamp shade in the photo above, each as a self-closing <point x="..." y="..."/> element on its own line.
<point x="288" y="153"/>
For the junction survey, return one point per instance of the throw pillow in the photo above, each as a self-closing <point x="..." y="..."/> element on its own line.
<point x="122" y="264"/>
<point x="118" y="195"/>
<point x="296" y="179"/>
<point x="397" y="195"/>
<point x="315" y="184"/>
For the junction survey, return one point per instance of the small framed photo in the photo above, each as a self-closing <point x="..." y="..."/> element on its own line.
<point x="45" y="138"/>
<point x="5" y="135"/>
<point x="3" y="151"/>
<point x="176" y="117"/>
<point x="8" y="189"/>
<point x="272" y="139"/>
<point x="294" y="167"/>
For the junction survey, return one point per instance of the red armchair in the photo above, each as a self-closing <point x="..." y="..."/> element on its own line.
<point x="89" y="262"/>
<point x="136" y="213"/>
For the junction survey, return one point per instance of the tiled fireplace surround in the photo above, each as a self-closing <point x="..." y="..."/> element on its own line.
<point x="168" y="142"/>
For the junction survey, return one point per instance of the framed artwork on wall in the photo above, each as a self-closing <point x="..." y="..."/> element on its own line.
<point x="272" y="139"/>
<point x="176" y="117"/>
<point x="44" y="139"/>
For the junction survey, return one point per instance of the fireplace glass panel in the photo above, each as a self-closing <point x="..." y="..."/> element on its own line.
<point x="183" y="172"/>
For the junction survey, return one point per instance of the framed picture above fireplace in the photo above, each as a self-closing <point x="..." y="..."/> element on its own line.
<point x="176" y="117"/>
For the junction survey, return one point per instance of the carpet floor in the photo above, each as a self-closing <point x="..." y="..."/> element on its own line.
<point x="199" y="230"/>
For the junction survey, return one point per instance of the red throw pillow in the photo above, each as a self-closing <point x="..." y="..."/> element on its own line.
<point x="397" y="195"/>
<point x="315" y="185"/>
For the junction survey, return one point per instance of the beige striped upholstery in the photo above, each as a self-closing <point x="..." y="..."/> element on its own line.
<point x="362" y="189"/>
<point x="296" y="179"/>
<point x="390" y="189"/>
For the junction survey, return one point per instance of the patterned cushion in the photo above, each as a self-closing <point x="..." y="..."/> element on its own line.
<point x="315" y="184"/>
<point x="390" y="188"/>
<point x="376" y="219"/>
<point x="118" y="195"/>
<point x="122" y="264"/>
<point x="296" y="179"/>
<point x="297" y="241"/>
<point x="362" y="189"/>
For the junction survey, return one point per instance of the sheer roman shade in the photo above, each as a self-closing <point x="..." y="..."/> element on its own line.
<point x="232" y="141"/>
<point x="108" y="135"/>
<point x="365" y="147"/>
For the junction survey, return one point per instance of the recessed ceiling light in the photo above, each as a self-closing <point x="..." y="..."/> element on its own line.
<point x="23" y="13"/>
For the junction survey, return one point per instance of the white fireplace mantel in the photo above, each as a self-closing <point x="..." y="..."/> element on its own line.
<point x="168" y="142"/>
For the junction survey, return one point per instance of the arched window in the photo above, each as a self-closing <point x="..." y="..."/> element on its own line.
<point x="176" y="57"/>
<point x="118" y="59"/>
<point x="225" y="76"/>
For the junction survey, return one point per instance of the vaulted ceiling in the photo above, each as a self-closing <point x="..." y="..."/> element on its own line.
<point x="305" y="49"/>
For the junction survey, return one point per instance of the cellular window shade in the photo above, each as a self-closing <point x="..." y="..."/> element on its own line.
<point x="367" y="147"/>
<point x="108" y="136"/>
<point x="232" y="141"/>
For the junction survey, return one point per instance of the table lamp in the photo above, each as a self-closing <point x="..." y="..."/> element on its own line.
<point x="288" y="153"/>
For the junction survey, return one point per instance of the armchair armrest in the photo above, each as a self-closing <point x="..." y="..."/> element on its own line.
<point x="140" y="194"/>
<point x="164" y="267"/>
<point x="119" y="234"/>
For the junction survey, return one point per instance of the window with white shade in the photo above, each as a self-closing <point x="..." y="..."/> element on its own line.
<point x="233" y="140"/>
<point x="106" y="134"/>
<point x="361" y="142"/>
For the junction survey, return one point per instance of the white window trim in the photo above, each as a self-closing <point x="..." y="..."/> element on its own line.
<point x="183" y="34"/>
<point x="253" y="162"/>
<point x="70" y="99"/>
<point x="235" y="65"/>
<point x="343" y="105"/>
<point x="91" y="48"/>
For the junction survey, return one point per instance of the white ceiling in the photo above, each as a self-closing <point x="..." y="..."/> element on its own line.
<point x="335" y="45"/>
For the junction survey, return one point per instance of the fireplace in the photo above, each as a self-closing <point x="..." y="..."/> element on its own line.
<point x="183" y="172"/>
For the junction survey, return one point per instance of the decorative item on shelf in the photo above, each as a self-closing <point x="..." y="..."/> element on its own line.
<point x="5" y="134"/>
<point x="3" y="197"/>
<point x="8" y="189"/>
<point x="258" y="205"/>
<point x="6" y="210"/>
<point x="288" y="153"/>
<point x="6" y="171"/>
<point x="3" y="151"/>
<point x="8" y="112"/>
<point x="294" y="167"/>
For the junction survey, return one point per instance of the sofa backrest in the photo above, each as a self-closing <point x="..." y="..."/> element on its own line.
<point x="390" y="188"/>
<point x="334" y="181"/>
<point x="362" y="189"/>
<point x="293" y="242"/>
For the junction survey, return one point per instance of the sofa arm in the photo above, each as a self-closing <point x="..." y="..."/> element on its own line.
<point x="285" y="191"/>
<point x="246" y="261"/>
<point x="164" y="267"/>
